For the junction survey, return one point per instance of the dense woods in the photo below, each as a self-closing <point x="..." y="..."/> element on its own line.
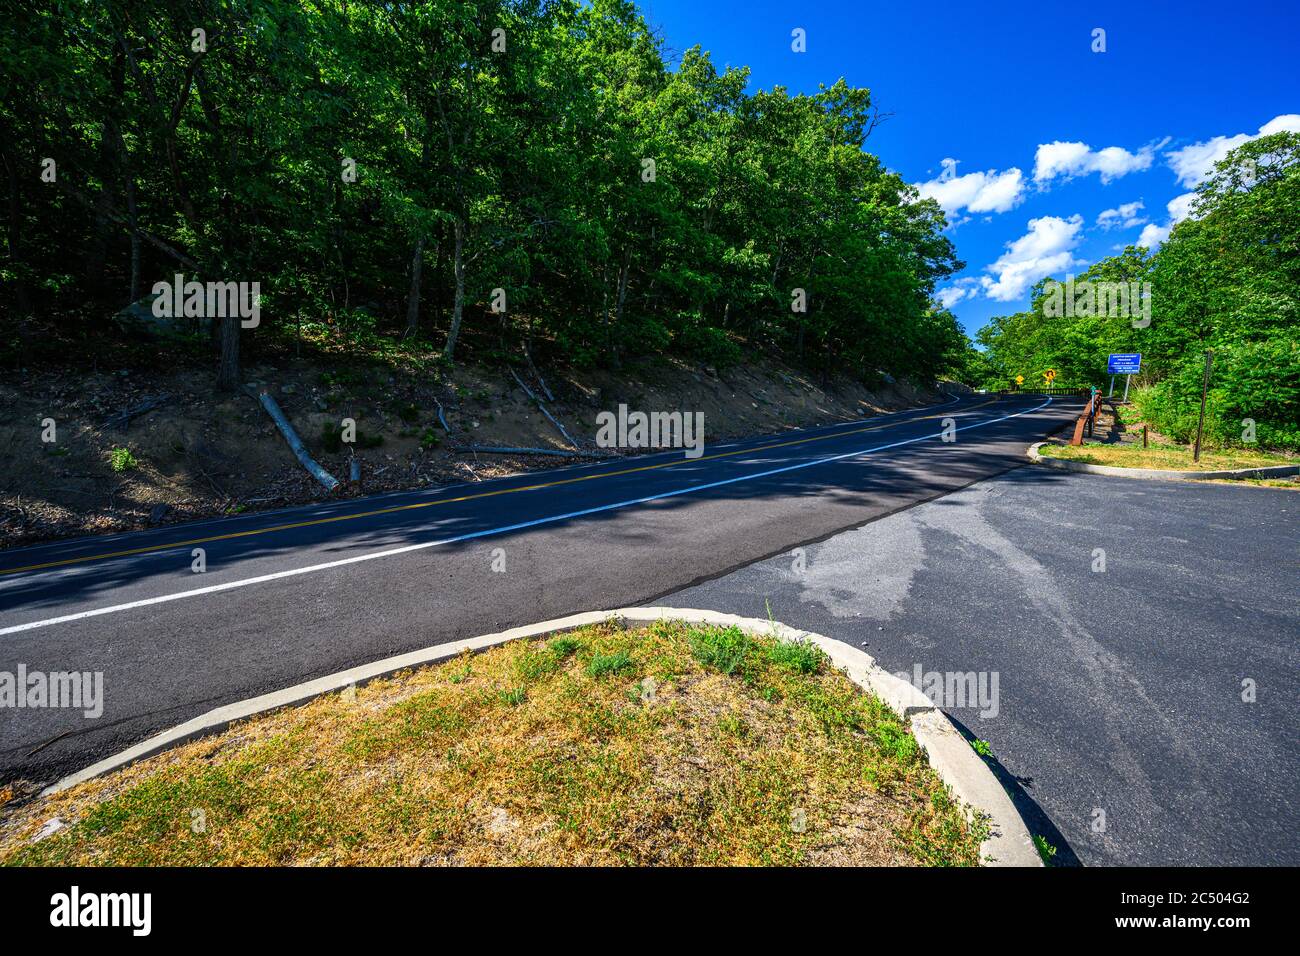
<point x="544" y="173"/>
<point x="1227" y="280"/>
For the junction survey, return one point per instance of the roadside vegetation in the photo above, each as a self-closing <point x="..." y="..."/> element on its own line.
<point x="670" y="744"/>
<point x="1170" y="457"/>
<point x="1126" y="424"/>
<point x="399" y="172"/>
<point x="1227" y="279"/>
<point x="433" y="198"/>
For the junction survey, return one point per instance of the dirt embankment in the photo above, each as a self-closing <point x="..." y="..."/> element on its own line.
<point x="66" y="470"/>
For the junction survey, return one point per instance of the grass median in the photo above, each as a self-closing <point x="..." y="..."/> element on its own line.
<point x="671" y="744"/>
<point x="1167" y="457"/>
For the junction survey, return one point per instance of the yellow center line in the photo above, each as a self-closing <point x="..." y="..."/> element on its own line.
<point x="474" y="497"/>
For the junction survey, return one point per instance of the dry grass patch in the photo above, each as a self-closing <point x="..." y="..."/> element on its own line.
<point x="670" y="744"/>
<point x="1169" y="457"/>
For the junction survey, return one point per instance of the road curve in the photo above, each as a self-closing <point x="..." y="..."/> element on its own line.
<point x="294" y="594"/>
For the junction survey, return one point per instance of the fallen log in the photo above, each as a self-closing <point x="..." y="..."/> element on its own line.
<point x="442" y="419"/>
<point x="295" y="443"/>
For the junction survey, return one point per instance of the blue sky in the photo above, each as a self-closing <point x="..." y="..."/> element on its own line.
<point x="1010" y="87"/>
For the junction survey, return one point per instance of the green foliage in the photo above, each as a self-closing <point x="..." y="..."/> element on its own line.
<point x="1256" y="381"/>
<point x="1045" y="849"/>
<point x="708" y="345"/>
<point x="797" y="656"/>
<point x="514" y="697"/>
<point x="520" y="170"/>
<point x="723" y="649"/>
<point x="602" y="665"/>
<point x="1227" y="280"/>
<point x="541" y="661"/>
<point x="121" y="459"/>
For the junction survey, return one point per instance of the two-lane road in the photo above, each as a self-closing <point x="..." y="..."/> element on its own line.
<point x="294" y="594"/>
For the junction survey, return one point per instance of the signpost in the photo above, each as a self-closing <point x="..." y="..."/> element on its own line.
<point x="1049" y="376"/>
<point x="1127" y="364"/>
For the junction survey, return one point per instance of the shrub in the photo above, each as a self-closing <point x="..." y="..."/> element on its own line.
<point x="1255" y="380"/>
<point x="708" y="344"/>
<point x="121" y="459"/>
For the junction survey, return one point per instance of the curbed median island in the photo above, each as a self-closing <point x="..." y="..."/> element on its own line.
<point x="660" y="743"/>
<point x="1169" y="461"/>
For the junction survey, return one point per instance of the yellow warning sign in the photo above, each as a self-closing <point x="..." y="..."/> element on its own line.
<point x="1049" y="375"/>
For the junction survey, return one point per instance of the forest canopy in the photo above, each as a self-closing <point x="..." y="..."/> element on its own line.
<point x="542" y="169"/>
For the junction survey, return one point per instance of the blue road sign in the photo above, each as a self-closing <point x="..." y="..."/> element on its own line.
<point x="1124" y="363"/>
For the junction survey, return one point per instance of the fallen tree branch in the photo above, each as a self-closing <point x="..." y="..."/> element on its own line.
<point x="295" y="443"/>
<point x="542" y="406"/>
<point x="528" y="356"/>
<point x="542" y="382"/>
<point x="528" y="391"/>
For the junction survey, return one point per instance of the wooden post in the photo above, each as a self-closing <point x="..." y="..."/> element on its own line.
<point x="1205" y="387"/>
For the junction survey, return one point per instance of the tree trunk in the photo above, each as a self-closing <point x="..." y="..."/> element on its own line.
<point x="109" y="172"/>
<point x="624" y="274"/>
<point x="135" y="238"/>
<point x="413" y="298"/>
<point x="228" y="371"/>
<point x="458" y="303"/>
<point x="132" y="214"/>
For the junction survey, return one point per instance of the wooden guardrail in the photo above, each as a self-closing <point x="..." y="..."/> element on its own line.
<point x="1087" y="419"/>
<point x="1048" y="390"/>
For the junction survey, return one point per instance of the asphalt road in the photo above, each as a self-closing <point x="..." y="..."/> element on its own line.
<point x="291" y="595"/>
<point x="1120" y="725"/>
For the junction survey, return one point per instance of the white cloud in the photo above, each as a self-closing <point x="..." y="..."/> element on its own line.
<point x="952" y="295"/>
<point x="1080" y="159"/>
<point x="990" y="191"/>
<point x="1179" y="208"/>
<point x="1193" y="164"/>
<point x="1153" y="235"/>
<point x="1044" y="250"/>
<point x="1122" y="217"/>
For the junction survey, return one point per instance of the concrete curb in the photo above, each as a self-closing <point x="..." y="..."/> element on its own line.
<point x="1160" y="474"/>
<point x="953" y="759"/>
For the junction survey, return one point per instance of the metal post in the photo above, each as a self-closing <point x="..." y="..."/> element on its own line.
<point x="1127" y="378"/>
<point x="1144" y="436"/>
<point x="1111" y="393"/>
<point x="1205" y="387"/>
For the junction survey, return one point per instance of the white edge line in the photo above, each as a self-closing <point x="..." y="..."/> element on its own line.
<point x="293" y="572"/>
